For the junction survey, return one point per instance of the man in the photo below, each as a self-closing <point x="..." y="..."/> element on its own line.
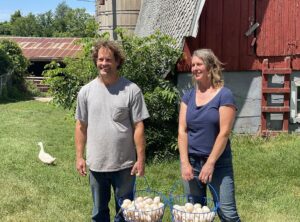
<point x="109" y="123"/>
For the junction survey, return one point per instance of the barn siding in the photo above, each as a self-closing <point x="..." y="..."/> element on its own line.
<point x="278" y="34"/>
<point x="223" y="24"/>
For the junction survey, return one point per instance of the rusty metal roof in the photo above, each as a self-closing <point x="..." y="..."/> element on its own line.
<point x="45" y="49"/>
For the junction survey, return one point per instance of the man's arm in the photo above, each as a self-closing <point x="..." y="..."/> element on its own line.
<point x="139" y="140"/>
<point x="80" y="141"/>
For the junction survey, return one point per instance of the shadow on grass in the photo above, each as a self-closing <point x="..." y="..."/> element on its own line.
<point x="15" y="100"/>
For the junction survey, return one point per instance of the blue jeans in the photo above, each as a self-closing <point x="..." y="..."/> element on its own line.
<point x="222" y="182"/>
<point x="101" y="183"/>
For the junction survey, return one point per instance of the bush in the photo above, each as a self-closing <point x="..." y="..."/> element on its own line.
<point x="17" y="61"/>
<point x="5" y="64"/>
<point x="65" y="81"/>
<point x="149" y="60"/>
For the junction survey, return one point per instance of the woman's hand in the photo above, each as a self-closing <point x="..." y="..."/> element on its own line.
<point x="187" y="172"/>
<point x="206" y="173"/>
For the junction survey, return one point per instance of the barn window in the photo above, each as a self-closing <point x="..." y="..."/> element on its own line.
<point x="295" y="101"/>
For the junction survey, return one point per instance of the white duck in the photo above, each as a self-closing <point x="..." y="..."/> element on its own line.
<point x="45" y="157"/>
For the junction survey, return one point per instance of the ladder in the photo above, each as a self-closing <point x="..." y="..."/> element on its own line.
<point x="268" y="91"/>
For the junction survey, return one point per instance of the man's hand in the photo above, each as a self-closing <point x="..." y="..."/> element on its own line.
<point x="81" y="166"/>
<point x="138" y="169"/>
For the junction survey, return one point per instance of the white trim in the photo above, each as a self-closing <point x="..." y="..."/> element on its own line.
<point x="294" y="109"/>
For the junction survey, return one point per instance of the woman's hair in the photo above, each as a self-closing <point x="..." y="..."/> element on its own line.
<point x="112" y="46"/>
<point x="213" y="66"/>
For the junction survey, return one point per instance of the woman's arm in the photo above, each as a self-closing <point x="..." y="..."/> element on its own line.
<point x="186" y="168"/>
<point x="227" y="116"/>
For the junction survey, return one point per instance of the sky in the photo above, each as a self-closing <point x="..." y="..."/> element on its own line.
<point x="8" y="7"/>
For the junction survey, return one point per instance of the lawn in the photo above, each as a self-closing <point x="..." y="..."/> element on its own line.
<point x="267" y="171"/>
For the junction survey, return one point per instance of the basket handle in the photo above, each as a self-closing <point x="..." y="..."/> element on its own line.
<point x="198" y="181"/>
<point x="211" y="188"/>
<point x="134" y="192"/>
<point x="147" y="185"/>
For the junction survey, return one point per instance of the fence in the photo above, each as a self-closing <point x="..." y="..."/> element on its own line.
<point x="38" y="81"/>
<point x="4" y="80"/>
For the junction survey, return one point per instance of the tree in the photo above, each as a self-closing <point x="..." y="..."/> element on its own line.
<point x="18" y="62"/>
<point x="17" y="14"/>
<point x="60" y="22"/>
<point x="64" y="22"/>
<point x="5" y="63"/>
<point x="5" y="28"/>
<point x="74" y="22"/>
<point x="25" y="26"/>
<point x="45" y="23"/>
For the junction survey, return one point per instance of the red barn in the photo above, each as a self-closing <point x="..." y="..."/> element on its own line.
<point x="257" y="40"/>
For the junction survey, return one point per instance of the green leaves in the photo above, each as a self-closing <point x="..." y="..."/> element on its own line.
<point x="66" y="79"/>
<point x="12" y="59"/>
<point x="150" y="62"/>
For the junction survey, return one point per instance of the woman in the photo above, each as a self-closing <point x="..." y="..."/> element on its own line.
<point x="207" y="113"/>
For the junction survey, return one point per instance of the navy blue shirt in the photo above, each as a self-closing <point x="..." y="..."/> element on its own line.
<point x="203" y="122"/>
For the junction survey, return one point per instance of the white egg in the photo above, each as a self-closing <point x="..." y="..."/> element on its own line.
<point x="139" y="199"/>
<point x="189" y="207"/>
<point x="197" y="205"/>
<point x="148" y="201"/>
<point x="140" y="205"/>
<point x="124" y="205"/>
<point x="198" y="210"/>
<point x="145" y="197"/>
<point x="127" y="201"/>
<point x="156" y="199"/>
<point x="205" y="209"/>
<point x="153" y="206"/>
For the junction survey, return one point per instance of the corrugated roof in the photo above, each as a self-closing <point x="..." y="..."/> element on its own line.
<point x="177" y="18"/>
<point x="45" y="49"/>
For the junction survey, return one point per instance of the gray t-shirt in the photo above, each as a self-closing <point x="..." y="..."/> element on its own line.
<point x="110" y="113"/>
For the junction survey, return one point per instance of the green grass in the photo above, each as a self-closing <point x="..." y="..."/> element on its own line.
<point x="267" y="171"/>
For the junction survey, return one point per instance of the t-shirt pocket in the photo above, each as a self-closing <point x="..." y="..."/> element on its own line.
<point x="120" y="114"/>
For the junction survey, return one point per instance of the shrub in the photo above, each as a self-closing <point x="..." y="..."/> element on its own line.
<point x="149" y="60"/>
<point x="65" y="81"/>
<point x="5" y="64"/>
<point x="18" y="62"/>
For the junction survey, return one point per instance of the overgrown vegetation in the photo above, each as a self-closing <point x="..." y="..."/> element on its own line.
<point x="267" y="171"/>
<point x="65" y="82"/>
<point x="148" y="61"/>
<point x="15" y="63"/>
